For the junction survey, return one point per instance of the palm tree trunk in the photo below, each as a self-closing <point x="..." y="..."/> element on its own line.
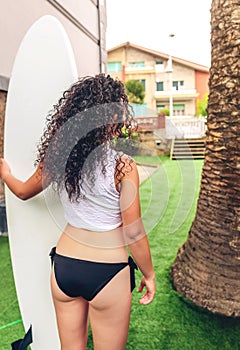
<point x="207" y="267"/>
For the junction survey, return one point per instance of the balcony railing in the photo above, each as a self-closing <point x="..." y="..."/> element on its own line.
<point x="177" y="93"/>
<point x="185" y="127"/>
<point x="139" y="69"/>
<point x="157" y="68"/>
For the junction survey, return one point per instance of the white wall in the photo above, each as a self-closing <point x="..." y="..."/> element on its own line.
<point x="79" y="18"/>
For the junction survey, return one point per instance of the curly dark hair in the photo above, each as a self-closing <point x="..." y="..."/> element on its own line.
<point x="92" y="113"/>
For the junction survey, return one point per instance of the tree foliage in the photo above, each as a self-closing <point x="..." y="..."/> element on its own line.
<point x="135" y="91"/>
<point x="164" y="111"/>
<point x="202" y="106"/>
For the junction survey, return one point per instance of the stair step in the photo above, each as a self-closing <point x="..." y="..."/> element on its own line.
<point x="187" y="145"/>
<point x="189" y="141"/>
<point x="188" y="149"/>
<point x="193" y="153"/>
<point x="187" y="157"/>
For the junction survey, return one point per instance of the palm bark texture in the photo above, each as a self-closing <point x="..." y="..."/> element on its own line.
<point x="207" y="267"/>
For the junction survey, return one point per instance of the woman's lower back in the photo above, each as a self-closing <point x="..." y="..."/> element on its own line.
<point x="94" y="246"/>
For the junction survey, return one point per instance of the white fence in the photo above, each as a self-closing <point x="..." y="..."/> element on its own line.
<point x="185" y="127"/>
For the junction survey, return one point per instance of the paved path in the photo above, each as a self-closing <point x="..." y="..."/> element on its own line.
<point x="145" y="171"/>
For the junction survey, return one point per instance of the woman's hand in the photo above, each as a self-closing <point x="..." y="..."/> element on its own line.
<point x="4" y="168"/>
<point x="150" y="285"/>
<point x="22" y="189"/>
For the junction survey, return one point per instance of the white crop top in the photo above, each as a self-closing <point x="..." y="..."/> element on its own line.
<point x="99" y="210"/>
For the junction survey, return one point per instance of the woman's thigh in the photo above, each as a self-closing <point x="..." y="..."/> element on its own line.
<point x="110" y="313"/>
<point x="72" y="318"/>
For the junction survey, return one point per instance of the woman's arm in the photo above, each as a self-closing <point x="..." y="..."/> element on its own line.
<point x="22" y="189"/>
<point x="134" y="231"/>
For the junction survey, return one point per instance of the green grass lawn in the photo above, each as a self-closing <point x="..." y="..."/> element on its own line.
<point x="168" y="202"/>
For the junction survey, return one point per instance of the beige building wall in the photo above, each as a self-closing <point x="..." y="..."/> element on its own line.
<point x="133" y="55"/>
<point x="180" y="71"/>
<point x="118" y="55"/>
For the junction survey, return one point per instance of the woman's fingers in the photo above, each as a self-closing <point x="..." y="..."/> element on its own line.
<point x="147" y="298"/>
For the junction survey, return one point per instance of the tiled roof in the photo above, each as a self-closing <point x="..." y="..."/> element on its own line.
<point x="190" y="64"/>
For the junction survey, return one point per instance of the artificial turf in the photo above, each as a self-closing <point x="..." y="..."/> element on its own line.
<point x="168" y="201"/>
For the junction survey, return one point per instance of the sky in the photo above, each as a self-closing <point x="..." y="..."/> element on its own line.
<point x="149" y="23"/>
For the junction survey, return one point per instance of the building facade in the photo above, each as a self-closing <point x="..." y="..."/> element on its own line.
<point x="84" y="22"/>
<point x="163" y="77"/>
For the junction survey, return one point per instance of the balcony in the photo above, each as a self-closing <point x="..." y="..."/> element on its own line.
<point x="183" y="94"/>
<point x="137" y="70"/>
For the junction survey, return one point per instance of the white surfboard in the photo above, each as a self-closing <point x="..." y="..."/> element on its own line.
<point x="44" y="67"/>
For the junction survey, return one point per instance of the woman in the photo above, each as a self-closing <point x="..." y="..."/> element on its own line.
<point x="92" y="274"/>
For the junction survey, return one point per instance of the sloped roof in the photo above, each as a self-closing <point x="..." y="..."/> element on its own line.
<point x="181" y="61"/>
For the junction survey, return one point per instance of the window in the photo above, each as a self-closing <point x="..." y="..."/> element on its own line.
<point x="143" y="81"/>
<point x="114" y="67"/>
<point x="159" y="66"/>
<point x="159" y="86"/>
<point x="179" y="109"/>
<point x="178" y="84"/>
<point x="160" y="107"/>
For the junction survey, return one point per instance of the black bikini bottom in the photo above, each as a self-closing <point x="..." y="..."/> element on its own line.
<point x="83" y="278"/>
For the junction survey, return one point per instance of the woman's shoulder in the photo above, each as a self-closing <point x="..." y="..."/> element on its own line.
<point x="127" y="166"/>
